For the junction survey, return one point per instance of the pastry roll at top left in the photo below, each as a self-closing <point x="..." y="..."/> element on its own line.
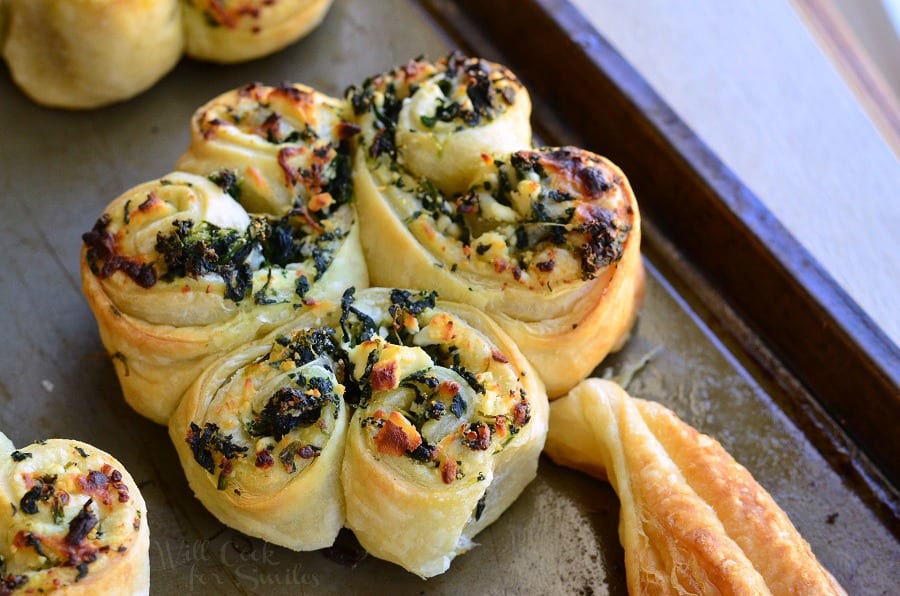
<point x="177" y="272"/>
<point x="80" y="54"/>
<point x="71" y="520"/>
<point x="88" y="53"/>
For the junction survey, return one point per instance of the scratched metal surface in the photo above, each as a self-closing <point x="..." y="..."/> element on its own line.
<point x="58" y="170"/>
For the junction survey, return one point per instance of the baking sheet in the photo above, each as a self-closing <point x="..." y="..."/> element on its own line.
<point x="58" y="170"/>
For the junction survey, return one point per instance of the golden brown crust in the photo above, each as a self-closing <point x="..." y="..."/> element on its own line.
<point x="693" y="520"/>
<point x="72" y="521"/>
<point x="237" y="30"/>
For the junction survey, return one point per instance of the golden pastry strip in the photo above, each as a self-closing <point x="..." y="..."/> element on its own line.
<point x="693" y="520"/>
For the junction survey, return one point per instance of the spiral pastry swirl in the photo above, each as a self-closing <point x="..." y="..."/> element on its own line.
<point x="435" y="120"/>
<point x="261" y="436"/>
<point x="448" y="425"/>
<point x="71" y="519"/>
<point x="547" y="241"/>
<point x="693" y="520"/>
<point x="279" y="147"/>
<point x="177" y="272"/>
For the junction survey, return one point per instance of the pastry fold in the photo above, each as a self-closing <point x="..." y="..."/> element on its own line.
<point x="177" y="273"/>
<point x="451" y="198"/>
<point x="237" y="30"/>
<point x="89" y="53"/>
<point x="693" y="520"/>
<point x="260" y="435"/>
<point x="283" y="147"/>
<point x="71" y="519"/>
<point x="448" y="425"/>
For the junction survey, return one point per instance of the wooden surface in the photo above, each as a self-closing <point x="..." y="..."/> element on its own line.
<point x="749" y="79"/>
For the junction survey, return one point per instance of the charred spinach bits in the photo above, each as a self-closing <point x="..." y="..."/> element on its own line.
<point x="43" y="491"/>
<point x="604" y="241"/>
<point x="18" y="456"/>
<point x="10" y="583"/>
<point x="206" y="442"/>
<point x="487" y="99"/>
<point x="340" y="183"/>
<point x="227" y="180"/>
<point x="81" y="525"/>
<point x="291" y="407"/>
<point x="310" y="345"/>
<point x="192" y="250"/>
<point x="361" y="327"/>
<point x="295" y="238"/>
<point x="103" y="258"/>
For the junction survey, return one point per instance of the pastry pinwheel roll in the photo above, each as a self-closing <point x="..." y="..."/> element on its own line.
<point x="435" y="120"/>
<point x="237" y="30"/>
<point x="177" y="272"/>
<point x="547" y="241"/>
<point x="280" y="147"/>
<point x="693" y="520"/>
<point x="88" y="53"/>
<point x="448" y="425"/>
<point x="261" y="433"/>
<point x="71" y="519"/>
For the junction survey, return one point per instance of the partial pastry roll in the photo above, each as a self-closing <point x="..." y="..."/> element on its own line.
<point x="71" y="519"/>
<point x="693" y="520"/>
<point x="451" y="198"/>
<point x="261" y="433"/>
<point x="177" y="273"/>
<point x="449" y="423"/>
<point x="282" y="147"/>
<point x="89" y="53"/>
<point x="238" y="30"/>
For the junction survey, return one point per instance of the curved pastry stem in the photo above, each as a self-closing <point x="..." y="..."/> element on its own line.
<point x="693" y="520"/>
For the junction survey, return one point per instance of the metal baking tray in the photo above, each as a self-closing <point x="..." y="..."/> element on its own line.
<point x="753" y="345"/>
